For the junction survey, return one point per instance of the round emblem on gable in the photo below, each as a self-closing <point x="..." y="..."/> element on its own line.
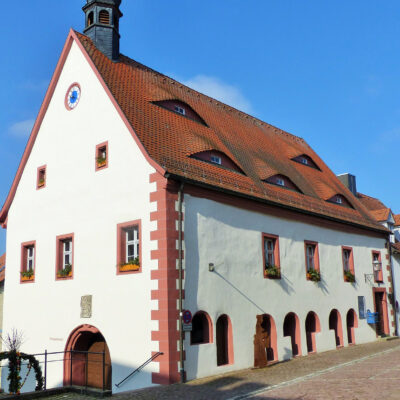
<point x="73" y="96"/>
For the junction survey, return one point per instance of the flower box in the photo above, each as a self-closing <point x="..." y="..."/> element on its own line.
<point x="272" y="272"/>
<point x="349" y="277"/>
<point x="313" y="275"/>
<point x="27" y="278"/>
<point x="41" y="183"/>
<point x="129" y="267"/>
<point x="101" y="162"/>
<point x="62" y="275"/>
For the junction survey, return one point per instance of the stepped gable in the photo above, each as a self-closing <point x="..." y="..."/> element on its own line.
<point x="259" y="149"/>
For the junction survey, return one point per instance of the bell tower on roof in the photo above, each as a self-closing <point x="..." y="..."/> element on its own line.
<point x="102" y="25"/>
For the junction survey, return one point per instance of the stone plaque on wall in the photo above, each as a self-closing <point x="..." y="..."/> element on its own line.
<point x="86" y="306"/>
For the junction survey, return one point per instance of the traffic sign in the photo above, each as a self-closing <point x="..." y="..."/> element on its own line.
<point x="187" y="327"/>
<point x="187" y="317"/>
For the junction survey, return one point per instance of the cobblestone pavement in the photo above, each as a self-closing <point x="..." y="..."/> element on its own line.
<point x="371" y="371"/>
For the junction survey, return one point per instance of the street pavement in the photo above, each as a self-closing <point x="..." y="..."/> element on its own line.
<point x="363" y="372"/>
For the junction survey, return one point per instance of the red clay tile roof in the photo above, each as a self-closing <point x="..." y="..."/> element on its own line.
<point x="371" y="202"/>
<point x="396" y="219"/>
<point x="381" y="215"/>
<point x="396" y="247"/>
<point x="261" y="150"/>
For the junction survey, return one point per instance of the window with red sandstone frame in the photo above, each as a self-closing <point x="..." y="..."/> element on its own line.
<point x="101" y="156"/>
<point x="65" y="256"/>
<point x="377" y="266"/>
<point x="41" y="177"/>
<point x="312" y="261"/>
<point x="28" y="260"/>
<point x="128" y="247"/>
<point x="270" y="245"/>
<point x="348" y="264"/>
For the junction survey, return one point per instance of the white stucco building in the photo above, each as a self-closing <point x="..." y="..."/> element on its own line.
<point x="134" y="186"/>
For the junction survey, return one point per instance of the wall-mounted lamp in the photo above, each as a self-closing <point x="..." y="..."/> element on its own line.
<point x="211" y="267"/>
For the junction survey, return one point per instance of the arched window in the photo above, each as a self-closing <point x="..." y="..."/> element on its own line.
<point x="306" y="160"/>
<point x="340" y="200"/>
<point x="201" y="328"/>
<point x="90" y="19"/>
<point x="104" y="17"/>
<point x="224" y="340"/>
<point x="217" y="158"/>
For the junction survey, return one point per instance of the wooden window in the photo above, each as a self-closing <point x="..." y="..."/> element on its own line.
<point x="201" y="329"/>
<point x="28" y="261"/>
<point x="101" y="161"/>
<point x="271" y="262"/>
<point x="104" y="17"/>
<point x="129" y="247"/>
<point x="348" y="264"/>
<point x="377" y="266"/>
<point x="41" y="177"/>
<point x="65" y="256"/>
<point x="312" y="261"/>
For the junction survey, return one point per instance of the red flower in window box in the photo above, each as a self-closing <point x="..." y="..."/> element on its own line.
<point x="133" y="265"/>
<point x="41" y="183"/>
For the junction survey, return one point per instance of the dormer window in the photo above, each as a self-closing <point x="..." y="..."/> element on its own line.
<point x="340" y="200"/>
<point x="180" y="110"/>
<point x="282" y="181"/>
<point x="306" y="160"/>
<point x="216" y="159"/>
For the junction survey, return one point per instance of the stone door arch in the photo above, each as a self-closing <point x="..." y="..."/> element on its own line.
<point x="82" y="368"/>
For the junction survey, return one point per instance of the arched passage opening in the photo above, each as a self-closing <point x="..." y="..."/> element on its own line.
<point x="291" y="327"/>
<point x="224" y="340"/>
<point x="201" y="329"/>
<point x="335" y="323"/>
<point x="312" y="327"/>
<point x="265" y="343"/>
<point x="81" y="366"/>
<point x="351" y="323"/>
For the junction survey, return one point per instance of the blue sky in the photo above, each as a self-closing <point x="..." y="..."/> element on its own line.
<point x="327" y="71"/>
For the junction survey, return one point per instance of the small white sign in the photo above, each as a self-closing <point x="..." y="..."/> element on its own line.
<point x="187" y="327"/>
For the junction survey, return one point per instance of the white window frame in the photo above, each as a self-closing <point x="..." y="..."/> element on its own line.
<point x="280" y="181"/>
<point x="339" y="200"/>
<point x="216" y="159"/>
<point x="304" y="161"/>
<point x="310" y="255"/>
<point x="30" y="258"/>
<point x="67" y="252"/>
<point x="346" y="259"/>
<point x="180" y="110"/>
<point x="269" y="251"/>
<point x="135" y="242"/>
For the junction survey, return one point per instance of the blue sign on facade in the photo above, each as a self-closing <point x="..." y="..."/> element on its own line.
<point x="361" y="307"/>
<point x="372" y="317"/>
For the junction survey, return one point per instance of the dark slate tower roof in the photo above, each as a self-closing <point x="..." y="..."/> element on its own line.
<point x="102" y="25"/>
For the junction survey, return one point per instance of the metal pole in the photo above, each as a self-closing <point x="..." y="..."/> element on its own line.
<point x="181" y="337"/>
<point x="70" y="359"/>
<point x="104" y="371"/>
<point x="45" y="369"/>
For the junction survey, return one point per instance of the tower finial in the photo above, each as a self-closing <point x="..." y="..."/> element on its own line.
<point x="102" y="25"/>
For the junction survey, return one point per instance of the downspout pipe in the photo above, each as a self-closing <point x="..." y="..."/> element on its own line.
<point x="181" y="333"/>
<point x="394" y="289"/>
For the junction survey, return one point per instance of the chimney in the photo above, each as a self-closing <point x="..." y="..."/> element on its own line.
<point x="349" y="181"/>
<point x="102" y="25"/>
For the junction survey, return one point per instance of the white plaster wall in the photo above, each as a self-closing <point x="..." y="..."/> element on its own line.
<point x="230" y="238"/>
<point x="89" y="204"/>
